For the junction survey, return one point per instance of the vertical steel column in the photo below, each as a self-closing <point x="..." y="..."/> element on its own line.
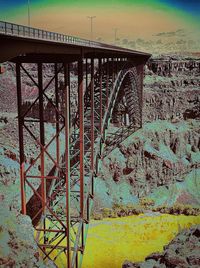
<point x="81" y="127"/>
<point x="69" y="89"/>
<point x="116" y="67"/>
<point x="92" y="115"/>
<point x="141" y="90"/>
<point x="42" y="138"/>
<point x="67" y="161"/>
<point x="100" y="92"/>
<point x="86" y="73"/>
<point x="21" y="139"/>
<point x="42" y="144"/>
<point x="88" y="209"/>
<point x="107" y="83"/>
<point x="57" y="115"/>
<point x="113" y="74"/>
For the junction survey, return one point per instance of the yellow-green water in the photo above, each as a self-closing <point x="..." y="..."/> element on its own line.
<point x="112" y="241"/>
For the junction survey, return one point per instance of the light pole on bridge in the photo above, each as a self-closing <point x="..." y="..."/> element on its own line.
<point x="29" y="16"/>
<point x="115" y="34"/>
<point x="91" y="25"/>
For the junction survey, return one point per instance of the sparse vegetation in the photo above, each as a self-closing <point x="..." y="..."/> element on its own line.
<point x="127" y="210"/>
<point x="178" y="209"/>
<point x="146" y="203"/>
<point x="106" y="212"/>
<point x="97" y="216"/>
<point x="119" y="210"/>
<point x="3" y="119"/>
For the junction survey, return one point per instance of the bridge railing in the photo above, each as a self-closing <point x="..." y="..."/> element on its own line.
<point x="25" y="31"/>
<point x="30" y="32"/>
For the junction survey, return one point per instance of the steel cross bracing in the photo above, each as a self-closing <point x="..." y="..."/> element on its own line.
<point x="60" y="205"/>
<point x="62" y="181"/>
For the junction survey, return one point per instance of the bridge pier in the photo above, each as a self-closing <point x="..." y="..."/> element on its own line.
<point x="62" y="230"/>
<point x="21" y="140"/>
<point x="67" y="162"/>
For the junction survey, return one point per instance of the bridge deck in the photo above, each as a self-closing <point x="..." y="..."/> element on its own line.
<point x="20" y="40"/>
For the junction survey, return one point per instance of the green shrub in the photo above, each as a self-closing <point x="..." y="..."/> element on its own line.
<point x="146" y="203"/>
<point x="189" y="210"/>
<point x="136" y="210"/>
<point x="127" y="210"/>
<point x="113" y="215"/>
<point x="196" y="211"/>
<point x="106" y="212"/>
<point x="177" y="209"/>
<point x="116" y="206"/>
<point x="97" y="216"/>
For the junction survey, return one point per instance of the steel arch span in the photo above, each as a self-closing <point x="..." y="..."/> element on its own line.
<point x="80" y="87"/>
<point x="127" y="106"/>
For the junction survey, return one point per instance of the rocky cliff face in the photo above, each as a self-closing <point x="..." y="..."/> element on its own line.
<point x="171" y="89"/>
<point x="17" y="247"/>
<point x="161" y="161"/>
<point x="182" y="251"/>
<point x="170" y="104"/>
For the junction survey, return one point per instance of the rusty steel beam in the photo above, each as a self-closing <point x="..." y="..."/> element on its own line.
<point x="57" y="115"/>
<point x="86" y="72"/>
<point x="81" y="135"/>
<point x="116" y="67"/>
<point x="100" y="98"/>
<point x="92" y="115"/>
<point x="113" y="73"/>
<point x="107" y="83"/>
<point x="42" y="136"/>
<point x="141" y="91"/>
<point x="67" y="161"/>
<point x="21" y="139"/>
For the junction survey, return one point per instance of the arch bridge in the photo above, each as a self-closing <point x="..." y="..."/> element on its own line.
<point x="78" y="88"/>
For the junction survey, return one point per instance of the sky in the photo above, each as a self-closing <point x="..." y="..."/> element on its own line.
<point x="132" y="18"/>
